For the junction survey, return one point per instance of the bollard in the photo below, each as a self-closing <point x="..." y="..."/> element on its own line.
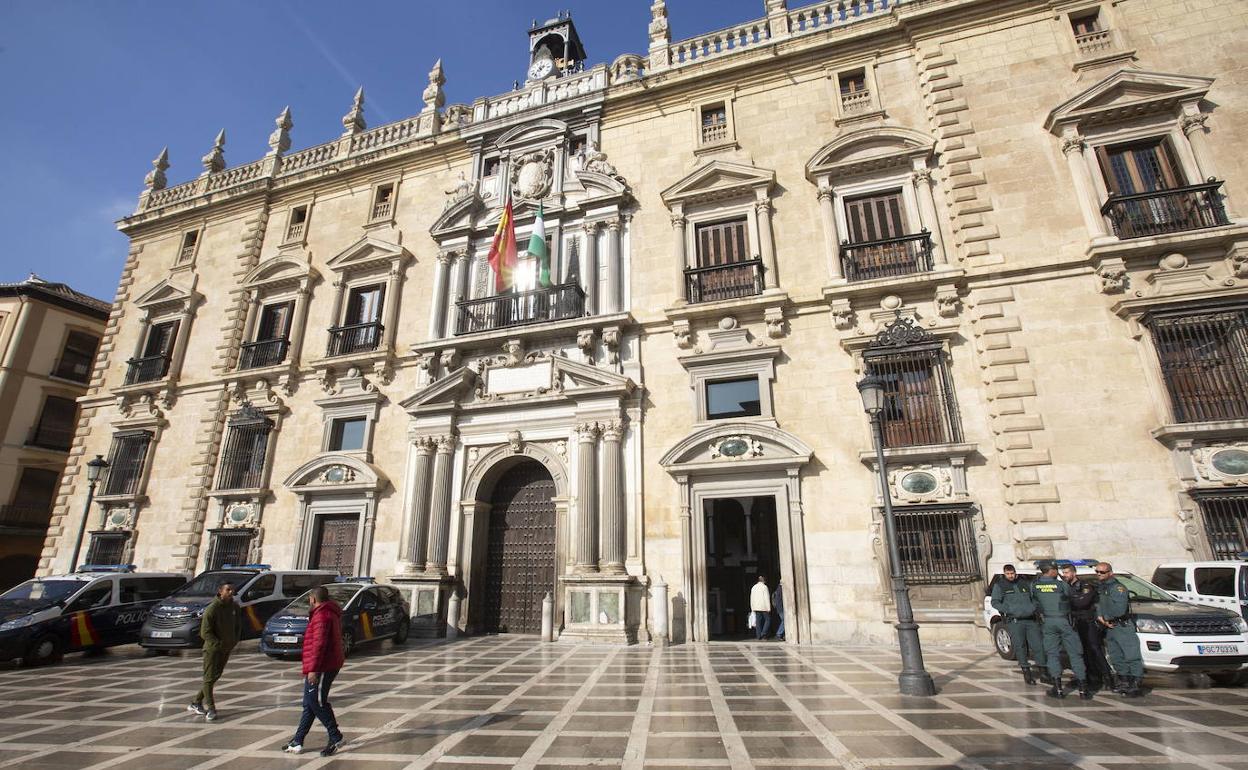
<point x="658" y="622"/>
<point x="452" y="616"/>
<point x="548" y="618"/>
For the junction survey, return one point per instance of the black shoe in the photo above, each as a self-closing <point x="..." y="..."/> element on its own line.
<point x="1029" y="676"/>
<point x="332" y="747"/>
<point x="1082" y="686"/>
<point x="1132" y="688"/>
<point x="1045" y="678"/>
<point x="1056" y="691"/>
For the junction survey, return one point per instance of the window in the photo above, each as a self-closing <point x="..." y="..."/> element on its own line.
<point x="107" y="548"/>
<point x="136" y="589"/>
<point x="32" y="500"/>
<point x="246" y="445"/>
<point x="1148" y="194"/>
<point x="880" y="244"/>
<point x="1086" y="23"/>
<point x="491" y="165"/>
<point x="714" y="123"/>
<point x="1139" y="167"/>
<point x="263" y="586"/>
<point x="1204" y="363"/>
<point x="55" y="429"/>
<point x="77" y="357"/>
<point x="725" y="269"/>
<point x="231" y="546"/>
<point x="1170" y="578"/>
<point x="919" y="406"/>
<point x="297" y="225"/>
<point x="937" y="544"/>
<point x="1091" y="38"/>
<point x="98" y="595"/>
<point x="294" y="586"/>
<point x="1226" y="523"/>
<point x="126" y="460"/>
<point x="186" y="252"/>
<point x="157" y="353"/>
<point x="272" y="337"/>
<point x="347" y="434"/>
<point x="855" y="96"/>
<point x="728" y="399"/>
<point x="383" y="201"/>
<point x="361" y="326"/>
<point x="1215" y="581"/>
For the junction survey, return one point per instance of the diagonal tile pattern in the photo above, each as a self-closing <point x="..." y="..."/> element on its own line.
<point x="495" y="702"/>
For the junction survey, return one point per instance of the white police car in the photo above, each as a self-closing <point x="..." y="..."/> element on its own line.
<point x="98" y="606"/>
<point x="1174" y="636"/>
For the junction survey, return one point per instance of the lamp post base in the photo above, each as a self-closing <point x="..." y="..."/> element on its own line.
<point x="915" y="683"/>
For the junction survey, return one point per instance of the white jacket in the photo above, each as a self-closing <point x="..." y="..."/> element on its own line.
<point x="760" y="598"/>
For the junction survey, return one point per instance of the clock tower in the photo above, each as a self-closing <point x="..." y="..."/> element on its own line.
<point x="554" y="48"/>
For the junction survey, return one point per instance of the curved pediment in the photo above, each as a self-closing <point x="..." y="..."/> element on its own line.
<point x="733" y="447"/>
<point x="279" y="270"/>
<point x="335" y="473"/>
<point x="1127" y="94"/>
<point x="368" y="252"/>
<point x="866" y="150"/>
<point x="459" y="216"/>
<point x="719" y="179"/>
<point x="598" y="186"/>
<point x="532" y="133"/>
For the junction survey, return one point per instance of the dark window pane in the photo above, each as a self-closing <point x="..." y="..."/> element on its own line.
<point x="348" y="435"/>
<point x="107" y="548"/>
<point x="937" y="545"/>
<point x="1204" y="361"/>
<point x="1170" y="578"/>
<point x="229" y="547"/>
<point x="78" y="357"/>
<point x="733" y="398"/>
<point x="1215" y="581"/>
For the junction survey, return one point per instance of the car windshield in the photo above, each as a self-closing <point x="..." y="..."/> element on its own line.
<point x="339" y="592"/>
<point x="38" y="594"/>
<point x="205" y="586"/>
<point x="1143" y="591"/>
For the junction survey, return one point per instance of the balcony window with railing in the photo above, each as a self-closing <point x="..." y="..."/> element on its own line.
<point x="361" y="329"/>
<point x="1204" y="363"/>
<point x="1090" y="38"/>
<point x="246" y="447"/>
<point x="383" y="202"/>
<point x="126" y="459"/>
<point x="937" y="544"/>
<point x="920" y="407"/>
<point x="297" y="224"/>
<point x="157" y="353"/>
<point x="1149" y="196"/>
<point x="55" y="429"/>
<point x="190" y="241"/>
<point x="725" y="269"/>
<point x="272" y="341"/>
<point x="77" y="357"/>
<point x="855" y="95"/>
<point x="880" y="244"/>
<point x="520" y="308"/>
<point x="1226" y="523"/>
<point x="714" y="124"/>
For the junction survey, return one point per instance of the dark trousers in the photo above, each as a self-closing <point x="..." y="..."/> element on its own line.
<point x="214" y="666"/>
<point x="1092" y="636"/>
<point x="1025" y="636"/>
<point x="762" y="624"/>
<point x="780" y="627"/>
<point x="316" y="706"/>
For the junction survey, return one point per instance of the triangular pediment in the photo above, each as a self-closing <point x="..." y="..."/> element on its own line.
<point x="459" y="216"/>
<point x="367" y="252"/>
<point x="448" y="391"/>
<point x="574" y="375"/>
<point x="169" y="292"/>
<point x="1128" y="93"/>
<point x="719" y="179"/>
<point x="869" y="149"/>
<point x="279" y="270"/>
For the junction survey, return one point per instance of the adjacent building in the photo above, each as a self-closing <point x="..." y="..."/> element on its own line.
<point x="1023" y="215"/>
<point x="48" y="338"/>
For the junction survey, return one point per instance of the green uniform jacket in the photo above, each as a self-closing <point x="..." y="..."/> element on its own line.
<point x="1013" y="600"/>
<point x="1114" y="603"/>
<point x="221" y="626"/>
<point x="1053" y="597"/>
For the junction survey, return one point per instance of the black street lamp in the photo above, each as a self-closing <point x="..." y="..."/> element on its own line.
<point x="95" y="471"/>
<point x="913" y="679"/>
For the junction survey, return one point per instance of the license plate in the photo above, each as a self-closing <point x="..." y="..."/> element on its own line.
<point x="162" y="634"/>
<point x="285" y="640"/>
<point x="1217" y="649"/>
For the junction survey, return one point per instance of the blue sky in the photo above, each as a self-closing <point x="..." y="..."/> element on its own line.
<point x="90" y="92"/>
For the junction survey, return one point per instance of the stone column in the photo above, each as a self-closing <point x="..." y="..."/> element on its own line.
<point x="1073" y="148"/>
<point x="391" y="308"/>
<point x="831" y="241"/>
<point x="1193" y="125"/>
<point x="458" y="290"/>
<point x="614" y="534"/>
<point x="440" y="508"/>
<point x="922" y="177"/>
<point x="613" y="302"/>
<point x="418" y="517"/>
<point x="437" y="306"/>
<point x="589" y="268"/>
<point x="587" y="498"/>
<point x="678" y="232"/>
<point x="766" y="246"/>
<point x="298" y="324"/>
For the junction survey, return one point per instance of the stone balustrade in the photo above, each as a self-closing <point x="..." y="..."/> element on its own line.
<point x="232" y="177"/>
<point x="389" y="135"/>
<point x="320" y="155"/>
<point x="719" y="43"/>
<point x="540" y="93"/>
<point x="627" y="68"/>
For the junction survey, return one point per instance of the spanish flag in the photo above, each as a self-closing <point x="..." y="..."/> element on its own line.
<point x="503" y="251"/>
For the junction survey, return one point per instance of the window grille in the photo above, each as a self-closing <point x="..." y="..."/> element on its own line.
<point x="937" y="544"/>
<point x="246" y="444"/>
<point x="126" y="460"/>
<point x="107" y="548"/>
<point x="1226" y="523"/>
<point x="920" y="407"/>
<point x="1204" y="362"/>
<point x="229" y="546"/>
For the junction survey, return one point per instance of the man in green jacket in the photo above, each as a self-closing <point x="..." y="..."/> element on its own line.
<point x="1053" y="598"/>
<point x="1011" y="596"/>
<point x="1113" y="610"/>
<point x="220" y="629"/>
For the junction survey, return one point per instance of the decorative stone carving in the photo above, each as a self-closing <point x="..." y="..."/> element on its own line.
<point x="214" y="161"/>
<point x="155" y="179"/>
<point x="920" y="483"/>
<point x="1112" y="273"/>
<point x="515" y="441"/>
<point x="240" y="514"/>
<point x="683" y="334"/>
<point x="433" y="96"/>
<point x="659" y="31"/>
<point x="118" y="519"/>
<point x="383" y="371"/>
<point x="532" y="174"/>
<point x="336" y="474"/>
<point x="774" y="318"/>
<point x="449" y="360"/>
<point x="843" y="315"/>
<point x="1223" y="464"/>
<point x="1072" y="143"/>
<point x="457" y="115"/>
<point x="736" y="448"/>
<point x="327" y="380"/>
<point x="514" y="351"/>
<point x="594" y="160"/>
<point x="948" y="303"/>
<point x="353" y="121"/>
<point x="1190" y="123"/>
<point x="279" y="140"/>
<point x="1237" y="261"/>
<point x="463" y="189"/>
<point x="611" y="340"/>
<point x="585" y="341"/>
<point x="612" y="431"/>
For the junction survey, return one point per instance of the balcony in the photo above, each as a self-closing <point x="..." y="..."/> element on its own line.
<point x="719" y="282"/>
<point x="355" y="338"/>
<point x="261" y="353"/>
<point x="552" y="303"/>
<point x="1095" y="43"/>
<point x="25" y="516"/>
<point x="887" y="258"/>
<point x="382" y="209"/>
<point x="1140" y="215"/>
<point x="147" y="369"/>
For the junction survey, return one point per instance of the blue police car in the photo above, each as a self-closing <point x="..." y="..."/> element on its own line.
<point x="370" y="613"/>
<point x="96" y="607"/>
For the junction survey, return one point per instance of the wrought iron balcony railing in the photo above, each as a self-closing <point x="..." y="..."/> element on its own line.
<point x="260" y="353"/>
<point x="354" y="338"/>
<point x="1139" y="215"/>
<point x="552" y="303"/>
<point x="26" y="516"/>
<point x="887" y="258"/>
<point x="147" y="369"/>
<point x="719" y="282"/>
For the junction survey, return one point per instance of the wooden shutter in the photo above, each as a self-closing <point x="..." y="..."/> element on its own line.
<point x="160" y="339"/>
<point x="274" y="322"/>
<point x="1139" y="167"/>
<point x="875" y="217"/>
<point x="364" y="305"/>
<point x="722" y="243"/>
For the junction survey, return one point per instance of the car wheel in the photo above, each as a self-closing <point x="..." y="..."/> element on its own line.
<point x="1231" y="679"/>
<point x="1001" y="640"/>
<point x="348" y="642"/>
<point x="400" y="636"/>
<point x="44" y="650"/>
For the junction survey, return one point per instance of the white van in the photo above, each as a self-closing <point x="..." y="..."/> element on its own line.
<point x="1222" y="584"/>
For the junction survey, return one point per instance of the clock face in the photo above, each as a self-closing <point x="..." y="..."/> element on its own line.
<point x="540" y="68"/>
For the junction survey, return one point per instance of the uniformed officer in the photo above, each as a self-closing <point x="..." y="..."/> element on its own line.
<point x="1083" y="597"/>
<point x="1012" y="598"/>
<point x="1113" y="610"/>
<point x="1053" y="598"/>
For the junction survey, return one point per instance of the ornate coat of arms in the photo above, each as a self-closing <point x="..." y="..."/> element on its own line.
<point x="532" y="174"/>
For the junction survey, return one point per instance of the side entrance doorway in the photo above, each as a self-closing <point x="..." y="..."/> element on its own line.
<point x="742" y="542"/>
<point x="520" y="550"/>
<point x="334" y="542"/>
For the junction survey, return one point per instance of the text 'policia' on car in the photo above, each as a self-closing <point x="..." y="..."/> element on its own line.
<point x="370" y="613"/>
<point x="100" y="605"/>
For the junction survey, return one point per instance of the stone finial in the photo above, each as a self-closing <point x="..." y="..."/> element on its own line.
<point x="155" y="179"/>
<point x="279" y="140"/>
<point x="660" y="34"/>
<point x="214" y="161"/>
<point x="433" y="96"/>
<point x="353" y="121"/>
<point x="775" y="5"/>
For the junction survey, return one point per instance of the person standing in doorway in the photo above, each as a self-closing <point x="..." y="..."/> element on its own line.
<point x="1083" y="598"/>
<point x="777" y="606"/>
<point x="1011" y="596"/>
<point x="323" y="657"/>
<point x="220" y="629"/>
<point x="760" y="605"/>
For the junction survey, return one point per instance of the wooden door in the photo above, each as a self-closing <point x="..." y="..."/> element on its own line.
<point x="520" y="550"/>
<point x="334" y="547"/>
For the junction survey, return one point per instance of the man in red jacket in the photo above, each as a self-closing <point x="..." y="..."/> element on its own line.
<point x="322" y="660"/>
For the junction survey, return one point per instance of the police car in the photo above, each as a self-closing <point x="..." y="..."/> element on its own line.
<point x="259" y="591"/>
<point x="98" y="606"/>
<point x="1174" y="636"/>
<point x="370" y="613"/>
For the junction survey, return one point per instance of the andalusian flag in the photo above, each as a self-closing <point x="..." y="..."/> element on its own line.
<point x="503" y="252"/>
<point x="537" y="248"/>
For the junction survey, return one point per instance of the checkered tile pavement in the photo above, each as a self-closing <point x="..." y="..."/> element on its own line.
<point x="495" y="702"/>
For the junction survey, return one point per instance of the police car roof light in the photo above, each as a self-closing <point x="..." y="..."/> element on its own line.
<point x="246" y="566"/>
<point x="107" y="568"/>
<point x="354" y="579"/>
<point x="1075" y="562"/>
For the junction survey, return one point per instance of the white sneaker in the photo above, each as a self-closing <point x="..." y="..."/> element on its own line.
<point x="293" y="748"/>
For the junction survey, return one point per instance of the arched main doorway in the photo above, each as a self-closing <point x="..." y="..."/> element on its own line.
<point x="520" y="550"/>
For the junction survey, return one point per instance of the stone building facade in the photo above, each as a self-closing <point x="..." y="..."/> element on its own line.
<point x="1022" y="214"/>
